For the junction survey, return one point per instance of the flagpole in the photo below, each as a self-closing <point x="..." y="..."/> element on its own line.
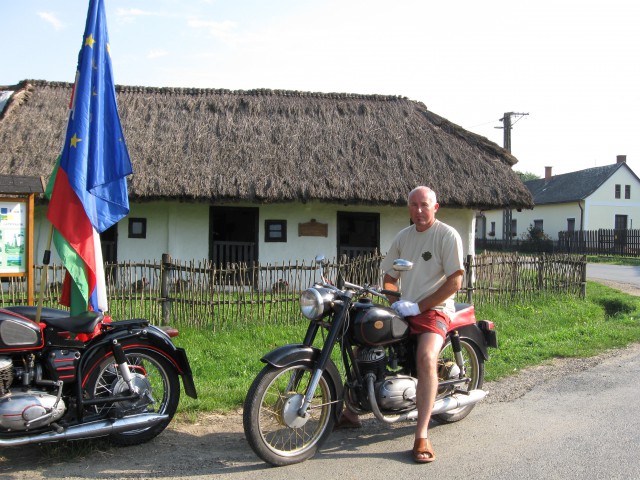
<point x="43" y="276"/>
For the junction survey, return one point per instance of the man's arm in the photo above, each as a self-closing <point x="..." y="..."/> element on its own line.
<point x="390" y="283"/>
<point x="448" y="288"/>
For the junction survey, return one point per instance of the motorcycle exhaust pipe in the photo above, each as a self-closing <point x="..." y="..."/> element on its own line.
<point x="457" y="400"/>
<point x="100" y="428"/>
<point x="441" y="405"/>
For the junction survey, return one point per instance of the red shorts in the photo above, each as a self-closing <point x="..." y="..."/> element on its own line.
<point x="433" y="321"/>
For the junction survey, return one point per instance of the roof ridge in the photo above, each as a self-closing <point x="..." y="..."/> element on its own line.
<point x="225" y="91"/>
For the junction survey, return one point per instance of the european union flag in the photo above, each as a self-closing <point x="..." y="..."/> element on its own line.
<point x="95" y="155"/>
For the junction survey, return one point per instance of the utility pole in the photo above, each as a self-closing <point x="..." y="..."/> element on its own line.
<point x="507" y="125"/>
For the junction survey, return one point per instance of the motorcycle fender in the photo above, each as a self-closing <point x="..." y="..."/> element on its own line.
<point x="295" y="353"/>
<point x="475" y="336"/>
<point x="143" y="335"/>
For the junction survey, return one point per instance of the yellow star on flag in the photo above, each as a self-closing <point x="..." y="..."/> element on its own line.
<point x="75" y="140"/>
<point x="90" y="41"/>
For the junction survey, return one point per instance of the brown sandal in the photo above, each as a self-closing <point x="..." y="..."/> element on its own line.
<point x="423" y="451"/>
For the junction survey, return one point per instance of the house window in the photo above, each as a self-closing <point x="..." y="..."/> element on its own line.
<point x="275" y="230"/>
<point x="627" y="192"/>
<point x="514" y="227"/>
<point x="492" y="232"/>
<point x="137" y="228"/>
<point x="571" y="224"/>
<point x="617" y="191"/>
<point x="537" y="224"/>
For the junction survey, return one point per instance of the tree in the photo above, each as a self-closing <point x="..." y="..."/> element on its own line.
<point x="526" y="176"/>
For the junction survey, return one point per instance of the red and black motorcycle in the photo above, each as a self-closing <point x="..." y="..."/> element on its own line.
<point x="295" y="400"/>
<point x="71" y="378"/>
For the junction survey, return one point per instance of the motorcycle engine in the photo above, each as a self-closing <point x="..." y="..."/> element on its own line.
<point x="6" y="375"/>
<point x="24" y="410"/>
<point x="393" y="392"/>
<point x="397" y="392"/>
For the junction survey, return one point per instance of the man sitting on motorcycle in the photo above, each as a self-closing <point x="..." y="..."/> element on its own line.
<point x="428" y="292"/>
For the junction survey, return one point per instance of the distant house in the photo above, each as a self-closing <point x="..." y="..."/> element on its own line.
<point x="595" y="198"/>
<point x="267" y="175"/>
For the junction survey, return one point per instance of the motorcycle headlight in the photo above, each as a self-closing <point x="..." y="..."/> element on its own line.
<point x="315" y="303"/>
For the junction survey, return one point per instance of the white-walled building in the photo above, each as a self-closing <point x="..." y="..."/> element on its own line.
<point x="605" y="197"/>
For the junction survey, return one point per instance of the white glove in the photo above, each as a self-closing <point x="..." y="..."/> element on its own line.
<point x="406" y="308"/>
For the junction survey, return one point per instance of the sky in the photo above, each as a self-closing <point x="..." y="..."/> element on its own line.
<point x="571" y="66"/>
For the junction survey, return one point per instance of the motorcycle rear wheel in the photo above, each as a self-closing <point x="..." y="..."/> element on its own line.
<point x="274" y="431"/>
<point x="474" y="371"/>
<point x="150" y="371"/>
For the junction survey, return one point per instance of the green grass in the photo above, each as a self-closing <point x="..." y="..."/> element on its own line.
<point x="613" y="260"/>
<point x="224" y="363"/>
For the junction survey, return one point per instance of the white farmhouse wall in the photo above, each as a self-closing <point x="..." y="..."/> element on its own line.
<point x="495" y="216"/>
<point x="602" y="206"/>
<point x="182" y="230"/>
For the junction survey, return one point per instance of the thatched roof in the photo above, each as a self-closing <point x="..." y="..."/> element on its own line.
<point x="272" y="146"/>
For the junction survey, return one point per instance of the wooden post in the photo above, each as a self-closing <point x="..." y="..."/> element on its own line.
<point x="469" y="273"/>
<point x="583" y="276"/>
<point x="165" y="271"/>
<point x="541" y="260"/>
<point x="29" y="249"/>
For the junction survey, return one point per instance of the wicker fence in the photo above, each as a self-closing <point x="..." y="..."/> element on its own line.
<point x="200" y="294"/>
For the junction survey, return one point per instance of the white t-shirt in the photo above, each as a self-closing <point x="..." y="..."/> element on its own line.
<point x="436" y="254"/>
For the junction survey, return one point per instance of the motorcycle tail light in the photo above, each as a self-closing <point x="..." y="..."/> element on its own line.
<point x="488" y="330"/>
<point x="171" y="331"/>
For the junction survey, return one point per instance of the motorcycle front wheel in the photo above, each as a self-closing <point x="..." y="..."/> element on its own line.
<point x="151" y="373"/>
<point x="449" y="370"/>
<point x="272" y="426"/>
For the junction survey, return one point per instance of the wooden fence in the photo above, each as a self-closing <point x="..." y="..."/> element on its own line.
<point x="201" y="295"/>
<point x="601" y="242"/>
<point x="606" y="242"/>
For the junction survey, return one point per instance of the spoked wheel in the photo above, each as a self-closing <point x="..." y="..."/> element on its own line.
<point x="449" y="370"/>
<point x="271" y="423"/>
<point x="153" y="377"/>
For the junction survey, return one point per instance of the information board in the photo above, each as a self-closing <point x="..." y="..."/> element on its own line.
<point x="13" y="226"/>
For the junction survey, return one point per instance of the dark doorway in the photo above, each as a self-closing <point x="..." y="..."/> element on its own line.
<point x="233" y="234"/>
<point x="620" y="234"/>
<point x="109" y="243"/>
<point x="358" y="233"/>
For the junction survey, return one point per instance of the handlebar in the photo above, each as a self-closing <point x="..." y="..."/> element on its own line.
<point x="392" y="293"/>
<point x="383" y="293"/>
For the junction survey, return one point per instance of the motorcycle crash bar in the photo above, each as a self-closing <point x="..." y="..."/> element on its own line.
<point x="100" y="428"/>
<point x="441" y="405"/>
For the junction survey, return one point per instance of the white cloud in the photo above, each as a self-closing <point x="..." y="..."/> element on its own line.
<point x="153" y="54"/>
<point x="52" y="20"/>
<point x="225" y="30"/>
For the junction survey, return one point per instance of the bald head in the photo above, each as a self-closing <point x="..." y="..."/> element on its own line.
<point x="422" y="189"/>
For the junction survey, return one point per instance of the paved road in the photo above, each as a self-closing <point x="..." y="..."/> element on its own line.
<point x="584" y="424"/>
<point x="614" y="273"/>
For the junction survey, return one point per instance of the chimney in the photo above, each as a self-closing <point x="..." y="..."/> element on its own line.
<point x="547" y="173"/>
<point x="621" y="159"/>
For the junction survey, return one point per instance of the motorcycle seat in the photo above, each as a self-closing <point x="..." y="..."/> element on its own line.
<point x="59" y="319"/>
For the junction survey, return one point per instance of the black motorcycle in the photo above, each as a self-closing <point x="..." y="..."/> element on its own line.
<point x="293" y="403"/>
<point x="71" y="378"/>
